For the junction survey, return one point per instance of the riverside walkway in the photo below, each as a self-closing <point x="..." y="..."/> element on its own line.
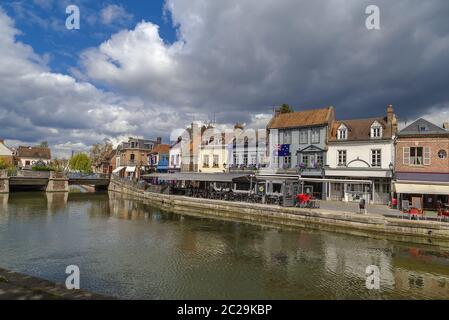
<point x="16" y="286"/>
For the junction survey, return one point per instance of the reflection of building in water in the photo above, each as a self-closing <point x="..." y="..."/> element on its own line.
<point x="343" y="256"/>
<point x="416" y="272"/>
<point x="4" y="200"/>
<point x="56" y="201"/>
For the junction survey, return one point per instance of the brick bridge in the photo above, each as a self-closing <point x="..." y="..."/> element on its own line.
<point x="50" y="181"/>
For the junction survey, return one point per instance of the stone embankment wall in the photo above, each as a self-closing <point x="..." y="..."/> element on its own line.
<point x="4" y="182"/>
<point x="367" y="225"/>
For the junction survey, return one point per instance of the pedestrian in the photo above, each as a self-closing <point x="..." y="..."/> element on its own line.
<point x="362" y="206"/>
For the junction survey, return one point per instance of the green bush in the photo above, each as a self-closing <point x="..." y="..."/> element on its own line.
<point x="42" y="168"/>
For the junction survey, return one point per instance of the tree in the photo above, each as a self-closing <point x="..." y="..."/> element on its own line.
<point x="43" y="144"/>
<point x="100" y="151"/>
<point x="80" y="162"/>
<point x="285" y="108"/>
<point x="3" y="164"/>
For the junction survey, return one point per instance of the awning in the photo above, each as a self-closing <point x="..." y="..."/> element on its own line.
<point x="187" y="176"/>
<point x="130" y="169"/>
<point x="117" y="170"/>
<point x="416" y="188"/>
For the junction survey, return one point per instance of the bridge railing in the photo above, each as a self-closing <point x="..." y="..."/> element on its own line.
<point x="87" y="176"/>
<point x="30" y="174"/>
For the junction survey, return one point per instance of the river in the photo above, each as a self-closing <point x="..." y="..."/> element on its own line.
<point x="127" y="249"/>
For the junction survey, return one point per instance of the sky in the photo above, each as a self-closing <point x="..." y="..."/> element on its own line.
<point x="144" y="68"/>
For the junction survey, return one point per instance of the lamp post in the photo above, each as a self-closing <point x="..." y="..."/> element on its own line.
<point x="391" y="167"/>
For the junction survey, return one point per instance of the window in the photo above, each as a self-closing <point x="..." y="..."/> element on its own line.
<point x="253" y="159"/>
<point x="216" y="160"/>
<point x="177" y="159"/>
<point x="287" y="162"/>
<point x="442" y="154"/>
<point x="342" y="133"/>
<point x="245" y="159"/>
<point x="376" y="158"/>
<point x="305" y="160"/>
<point x="303" y="136"/>
<point x="319" y="158"/>
<point x="236" y="159"/>
<point x="206" y="161"/>
<point x="376" y="130"/>
<point x="173" y="160"/>
<point x="315" y="135"/>
<point x="342" y="157"/>
<point x="287" y="137"/>
<point x="416" y="156"/>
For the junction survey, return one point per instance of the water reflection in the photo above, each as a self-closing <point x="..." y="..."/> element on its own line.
<point x="132" y="250"/>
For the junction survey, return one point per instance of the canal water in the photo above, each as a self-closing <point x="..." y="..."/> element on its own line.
<point x="127" y="249"/>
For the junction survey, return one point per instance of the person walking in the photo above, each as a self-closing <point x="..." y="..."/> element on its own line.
<point x="362" y="206"/>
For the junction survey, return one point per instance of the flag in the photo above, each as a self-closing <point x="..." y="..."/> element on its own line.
<point x="284" y="150"/>
<point x="277" y="149"/>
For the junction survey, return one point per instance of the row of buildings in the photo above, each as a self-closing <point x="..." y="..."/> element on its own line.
<point x="342" y="160"/>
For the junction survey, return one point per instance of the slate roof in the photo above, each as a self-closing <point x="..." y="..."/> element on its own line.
<point x="422" y="127"/>
<point x="360" y="129"/>
<point x="306" y="118"/>
<point x="34" y="152"/>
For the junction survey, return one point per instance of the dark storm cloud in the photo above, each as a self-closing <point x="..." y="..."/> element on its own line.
<point x="236" y="58"/>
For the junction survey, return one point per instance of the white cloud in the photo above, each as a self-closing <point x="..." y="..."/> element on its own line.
<point x="114" y="14"/>
<point x="37" y="104"/>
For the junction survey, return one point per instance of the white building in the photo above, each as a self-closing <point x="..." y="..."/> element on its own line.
<point x="175" y="157"/>
<point x="247" y="149"/>
<point x="361" y="152"/>
<point x="6" y="154"/>
<point x="30" y="156"/>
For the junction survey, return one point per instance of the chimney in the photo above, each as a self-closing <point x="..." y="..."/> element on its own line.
<point x="277" y="112"/>
<point x="445" y="126"/>
<point x="391" y="119"/>
<point x="390" y="113"/>
<point x="2" y="141"/>
<point x="159" y="140"/>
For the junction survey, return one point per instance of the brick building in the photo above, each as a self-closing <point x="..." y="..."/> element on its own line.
<point x="422" y="165"/>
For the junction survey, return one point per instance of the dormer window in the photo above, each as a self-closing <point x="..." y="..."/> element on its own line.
<point x="342" y="132"/>
<point x="376" y="130"/>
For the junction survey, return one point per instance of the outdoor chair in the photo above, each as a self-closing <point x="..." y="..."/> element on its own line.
<point x="414" y="212"/>
<point x="443" y="214"/>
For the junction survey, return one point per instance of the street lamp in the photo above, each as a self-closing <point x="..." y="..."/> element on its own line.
<point x="391" y="166"/>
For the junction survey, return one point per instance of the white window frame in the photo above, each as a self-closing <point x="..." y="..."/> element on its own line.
<point x="376" y="155"/>
<point x="345" y="153"/>
<point x="342" y="132"/>
<point x="376" y="130"/>
<point x="315" y="134"/>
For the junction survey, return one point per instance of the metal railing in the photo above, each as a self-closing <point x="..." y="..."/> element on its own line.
<point x="87" y="176"/>
<point x="30" y="174"/>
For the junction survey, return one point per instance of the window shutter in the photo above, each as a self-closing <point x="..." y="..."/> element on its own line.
<point x="406" y="155"/>
<point x="427" y="156"/>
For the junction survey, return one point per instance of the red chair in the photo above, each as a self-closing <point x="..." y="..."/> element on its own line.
<point x="303" y="200"/>
<point x="443" y="214"/>
<point x="414" y="212"/>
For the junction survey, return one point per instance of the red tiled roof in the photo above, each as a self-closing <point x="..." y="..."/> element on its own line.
<point x="34" y="152"/>
<point x="360" y="129"/>
<point x="161" y="148"/>
<point x="304" y="118"/>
